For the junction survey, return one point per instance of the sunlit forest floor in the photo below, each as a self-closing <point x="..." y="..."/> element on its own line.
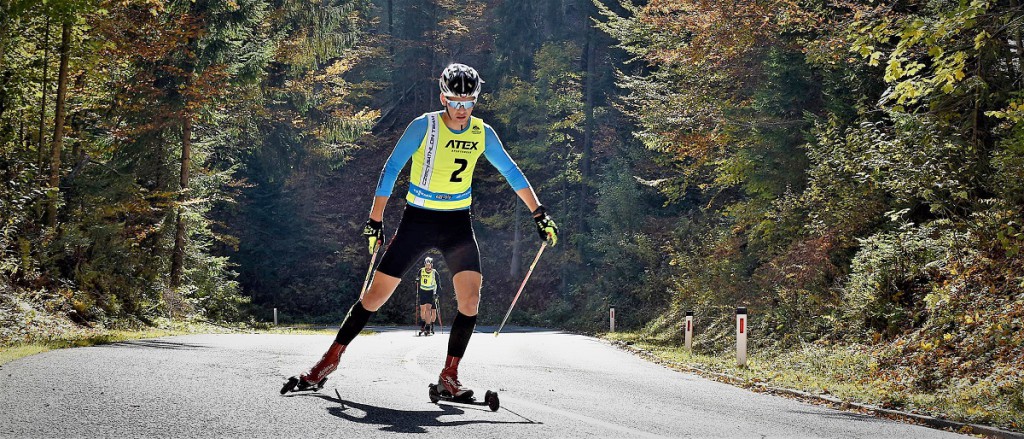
<point x="851" y="373"/>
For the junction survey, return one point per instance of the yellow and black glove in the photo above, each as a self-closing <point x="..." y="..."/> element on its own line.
<point x="546" y="227"/>
<point x="373" y="231"/>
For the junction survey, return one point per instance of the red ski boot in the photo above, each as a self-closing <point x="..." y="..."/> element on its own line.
<point x="315" y="378"/>
<point x="448" y="381"/>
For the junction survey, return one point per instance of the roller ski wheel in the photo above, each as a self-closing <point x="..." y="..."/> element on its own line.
<point x="294" y="384"/>
<point x="490" y="398"/>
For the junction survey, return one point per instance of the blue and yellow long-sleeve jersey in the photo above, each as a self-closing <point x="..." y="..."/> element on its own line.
<point x="443" y="162"/>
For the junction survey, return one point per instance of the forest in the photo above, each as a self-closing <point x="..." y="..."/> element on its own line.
<point x="852" y="172"/>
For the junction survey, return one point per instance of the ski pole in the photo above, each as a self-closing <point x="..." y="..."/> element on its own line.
<point x="528" y="273"/>
<point x="437" y="308"/>
<point x="369" y="272"/>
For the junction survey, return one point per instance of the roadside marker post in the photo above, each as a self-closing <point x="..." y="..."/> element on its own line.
<point x="741" y="336"/>
<point x="689" y="331"/>
<point x="275" y="316"/>
<point x="611" y="319"/>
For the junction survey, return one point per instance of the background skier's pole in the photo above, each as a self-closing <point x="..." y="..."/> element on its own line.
<point x="528" y="273"/>
<point x="437" y="309"/>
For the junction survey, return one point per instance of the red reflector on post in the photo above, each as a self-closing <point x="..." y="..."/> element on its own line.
<point x="742" y="322"/>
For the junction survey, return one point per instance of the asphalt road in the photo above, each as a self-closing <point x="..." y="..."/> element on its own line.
<point x="551" y="385"/>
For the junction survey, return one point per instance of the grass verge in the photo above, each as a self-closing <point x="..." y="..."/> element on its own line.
<point x="94" y="337"/>
<point x="85" y="338"/>
<point x="848" y="372"/>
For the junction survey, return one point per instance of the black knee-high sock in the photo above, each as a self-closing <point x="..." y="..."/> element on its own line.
<point x="354" y="322"/>
<point x="461" y="330"/>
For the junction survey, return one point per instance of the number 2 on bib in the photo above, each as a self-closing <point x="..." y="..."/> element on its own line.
<point x="462" y="167"/>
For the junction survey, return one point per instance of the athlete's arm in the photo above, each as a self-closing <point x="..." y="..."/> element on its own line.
<point x="496" y="154"/>
<point x="403" y="151"/>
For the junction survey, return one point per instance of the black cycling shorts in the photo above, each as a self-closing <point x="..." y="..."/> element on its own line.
<point x="427" y="297"/>
<point x="450" y="231"/>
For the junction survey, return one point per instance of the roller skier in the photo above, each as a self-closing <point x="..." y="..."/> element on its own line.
<point x="427" y="296"/>
<point x="444" y="147"/>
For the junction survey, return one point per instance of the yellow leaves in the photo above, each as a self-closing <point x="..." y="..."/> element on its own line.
<point x="1014" y="112"/>
<point x="980" y="39"/>
<point x="913" y="68"/>
<point x="894" y="70"/>
<point x="947" y="336"/>
<point x="340" y="67"/>
<point x="927" y="345"/>
<point x="920" y="51"/>
<point x="864" y="51"/>
<point x="874" y="57"/>
<point x="950" y="71"/>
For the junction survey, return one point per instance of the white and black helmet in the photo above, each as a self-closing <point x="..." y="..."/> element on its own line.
<point x="460" y="80"/>
<point x="428" y="260"/>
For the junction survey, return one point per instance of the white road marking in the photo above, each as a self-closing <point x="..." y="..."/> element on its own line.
<point x="412" y="366"/>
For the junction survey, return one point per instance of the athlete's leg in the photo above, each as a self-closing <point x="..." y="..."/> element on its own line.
<point x="424" y="316"/>
<point x="380" y="290"/>
<point x="467" y="291"/>
<point x="406" y="245"/>
<point x="463" y="257"/>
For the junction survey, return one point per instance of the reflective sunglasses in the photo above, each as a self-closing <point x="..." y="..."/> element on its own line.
<point x="455" y="105"/>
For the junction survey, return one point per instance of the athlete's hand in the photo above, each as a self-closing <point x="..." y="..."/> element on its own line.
<point x="546" y="227"/>
<point x="373" y="231"/>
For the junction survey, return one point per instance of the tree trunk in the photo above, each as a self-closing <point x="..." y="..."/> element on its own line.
<point x="564" y="287"/>
<point x="391" y="29"/>
<point x="58" y="125"/>
<point x="178" y="257"/>
<point x="393" y="91"/>
<point x="1019" y="42"/>
<point x="6" y="22"/>
<point x="42" y="100"/>
<point x="21" y="130"/>
<point x="588" y="130"/>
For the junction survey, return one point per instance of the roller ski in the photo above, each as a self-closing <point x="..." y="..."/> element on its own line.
<point x="490" y="397"/>
<point x="426" y="331"/>
<point x="314" y="379"/>
<point x="448" y="388"/>
<point x="297" y="384"/>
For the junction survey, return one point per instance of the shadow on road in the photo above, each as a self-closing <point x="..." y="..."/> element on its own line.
<point x="516" y="330"/>
<point x="478" y="330"/>
<point x="836" y="414"/>
<point x="155" y="344"/>
<point x="405" y="421"/>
